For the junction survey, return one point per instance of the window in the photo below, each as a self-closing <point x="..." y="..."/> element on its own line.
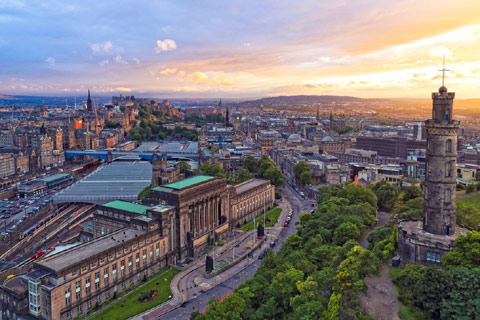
<point x="151" y="253"/>
<point x="138" y="276"/>
<point x="97" y="280"/>
<point x="122" y="268"/>
<point x="89" y="304"/>
<point x="78" y="290"/>
<point x="433" y="256"/>
<point x="131" y="281"/>
<point x="67" y="296"/>
<point x="105" y="276"/>
<point x="448" y="169"/>
<point x="114" y="272"/>
<point x="130" y="266"/>
<point x="69" y="314"/>
<point x="448" y="195"/>
<point x="99" y="299"/>
<point x="79" y="309"/>
<point x="87" y="285"/>
<point x="157" y="250"/>
<point x="123" y="284"/>
<point x="107" y="294"/>
<point x="448" y="146"/>
<point x="137" y="260"/>
<point x="144" y="257"/>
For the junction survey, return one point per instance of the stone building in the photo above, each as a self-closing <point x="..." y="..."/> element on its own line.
<point x="250" y="198"/>
<point x="202" y="209"/>
<point x="428" y="240"/>
<point x="69" y="283"/>
<point x="161" y="172"/>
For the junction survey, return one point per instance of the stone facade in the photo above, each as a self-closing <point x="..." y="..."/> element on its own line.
<point x="66" y="289"/>
<point x="249" y="199"/>
<point x="202" y="210"/>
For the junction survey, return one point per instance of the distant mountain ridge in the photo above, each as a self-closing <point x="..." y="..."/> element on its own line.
<point x="305" y="99"/>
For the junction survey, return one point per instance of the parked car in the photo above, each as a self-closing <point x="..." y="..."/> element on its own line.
<point x="285" y="224"/>
<point x="260" y="256"/>
<point x="272" y="244"/>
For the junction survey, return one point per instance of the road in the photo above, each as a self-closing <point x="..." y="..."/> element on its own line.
<point x="298" y="205"/>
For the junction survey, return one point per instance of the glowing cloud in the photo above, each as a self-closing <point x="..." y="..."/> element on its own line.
<point x="168" y="71"/>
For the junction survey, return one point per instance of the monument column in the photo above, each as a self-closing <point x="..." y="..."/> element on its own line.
<point x="441" y="163"/>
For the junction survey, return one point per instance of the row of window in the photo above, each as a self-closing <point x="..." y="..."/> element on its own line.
<point x="125" y="251"/>
<point x="107" y="293"/>
<point x="106" y="273"/>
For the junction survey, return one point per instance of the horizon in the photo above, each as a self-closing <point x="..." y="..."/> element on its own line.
<point x="239" y="50"/>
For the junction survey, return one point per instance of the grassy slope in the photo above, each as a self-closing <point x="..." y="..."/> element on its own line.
<point x="132" y="307"/>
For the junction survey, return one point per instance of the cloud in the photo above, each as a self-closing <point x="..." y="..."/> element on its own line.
<point x="102" y="47"/>
<point x="440" y="51"/>
<point x="120" y="60"/>
<point x="50" y="61"/>
<point x="246" y="44"/>
<point x="123" y="89"/>
<point x="136" y="61"/>
<point x="165" y="45"/>
<point x="103" y="63"/>
<point x="217" y="79"/>
<point x="182" y="74"/>
<point x="168" y="71"/>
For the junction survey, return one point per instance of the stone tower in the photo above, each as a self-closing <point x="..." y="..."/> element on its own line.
<point x="440" y="180"/>
<point x="156" y="169"/>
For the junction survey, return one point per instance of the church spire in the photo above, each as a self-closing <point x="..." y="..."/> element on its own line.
<point x="89" y="102"/>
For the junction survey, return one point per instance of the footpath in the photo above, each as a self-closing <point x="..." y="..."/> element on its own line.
<point x="191" y="282"/>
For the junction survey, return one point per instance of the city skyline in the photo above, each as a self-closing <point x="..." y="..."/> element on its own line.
<point x="239" y="50"/>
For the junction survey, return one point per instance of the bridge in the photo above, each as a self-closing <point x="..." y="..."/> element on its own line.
<point x="109" y="155"/>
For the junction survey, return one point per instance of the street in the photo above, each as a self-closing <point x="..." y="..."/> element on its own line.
<point x="198" y="299"/>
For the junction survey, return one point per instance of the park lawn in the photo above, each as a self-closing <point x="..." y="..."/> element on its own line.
<point x="131" y="306"/>
<point x="271" y="214"/>
<point x="474" y="201"/>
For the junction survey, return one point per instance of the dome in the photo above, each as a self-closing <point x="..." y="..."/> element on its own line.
<point x="442" y="89"/>
<point x="327" y="139"/>
<point x="294" y="136"/>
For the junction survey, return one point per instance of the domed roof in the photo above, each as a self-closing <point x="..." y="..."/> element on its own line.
<point x="294" y="136"/>
<point x="327" y="139"/>
<point x="442" y="89"/>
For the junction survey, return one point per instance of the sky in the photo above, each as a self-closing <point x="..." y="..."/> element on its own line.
<point x="239" y="49"/>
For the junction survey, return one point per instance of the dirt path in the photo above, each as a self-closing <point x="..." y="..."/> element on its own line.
<point x="383" y="218"/>
<point x="462" y="196"/>
<point x="381" y="299"/>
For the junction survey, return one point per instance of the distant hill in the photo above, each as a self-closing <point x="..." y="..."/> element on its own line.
<point x="304" y="100"/>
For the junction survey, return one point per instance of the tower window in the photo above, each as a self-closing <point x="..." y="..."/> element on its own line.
<point x="448" y="169"/>
<point x="448" y="195"/>
<point x="448" y="146"/>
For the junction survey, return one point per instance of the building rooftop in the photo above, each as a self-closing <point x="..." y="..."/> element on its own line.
<point x="188" y="182"/>
<point x="76" y="255"/>
<point x="127" y="206"/>
<point x="55" y="177"/>
<point x="119" y="180"/>
<point x="247" y="185"/>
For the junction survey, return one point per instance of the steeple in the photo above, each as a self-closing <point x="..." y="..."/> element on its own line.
<point x="89" y="102"/>
<point x="318" y="113"/>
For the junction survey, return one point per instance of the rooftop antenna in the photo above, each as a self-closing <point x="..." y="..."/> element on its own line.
<point x="443" y="72"/>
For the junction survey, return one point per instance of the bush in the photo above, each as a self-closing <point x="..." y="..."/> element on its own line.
<point x="470" y="188"/>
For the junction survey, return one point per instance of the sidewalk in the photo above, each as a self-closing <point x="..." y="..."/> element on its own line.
<point x="201" y="283"/>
